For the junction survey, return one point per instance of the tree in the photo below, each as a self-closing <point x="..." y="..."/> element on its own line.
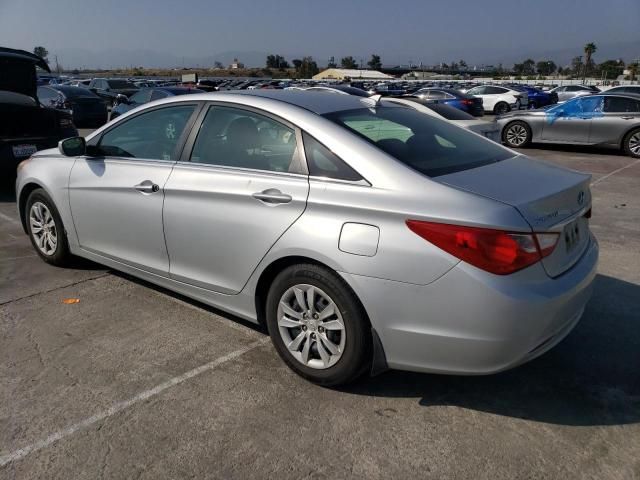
<point x="546" y="67"/>
<point x="306" y="68"/>
<point x="348" y="62"/>
<point x="276" y="61"/>
<point x="610" y="68"/>
<point x="589" y="49"/>
<point x="463" y="65"/>
<point x="218" y="65"/>
<point x="297" y="63"/>
<point x="576" y="65"/>
<point x="332" y="62"/>
<point x="375" y="63"/>
<point x="528" y="67"/>
<point x="633" y="70"/>
<point x="42" y="52"/>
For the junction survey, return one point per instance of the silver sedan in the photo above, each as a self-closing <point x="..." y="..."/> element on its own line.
<point x="364" y="234"/>
<point x="607" y="120"/>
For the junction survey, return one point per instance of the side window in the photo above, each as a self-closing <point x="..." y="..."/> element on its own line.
<point x="158" y="94"/>
<point x="494" y="90"/>
<point x="621" y="105"/>
<point x="140" y="97"/>
<point x="477" y="91"/>
<point x="234" y="137"/>
<point x="437" y="94"/>
<point x="322" y="162"/>
<point x="152" y="135"/>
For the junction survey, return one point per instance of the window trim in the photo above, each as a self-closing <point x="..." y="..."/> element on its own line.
<point x="180" y="144"/>
<point x="300" y="161"/>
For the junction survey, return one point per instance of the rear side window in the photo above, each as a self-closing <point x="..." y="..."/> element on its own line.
<point x="322" y="162"/>
<point x="621" y="105"/>
<point x="429" y="145"/>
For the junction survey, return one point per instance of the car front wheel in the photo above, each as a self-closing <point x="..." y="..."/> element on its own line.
<point x="517" y="135"/>
<point x="631" y="143"/>
<point x="45" y="229"/>
<point x="317" y="325"/>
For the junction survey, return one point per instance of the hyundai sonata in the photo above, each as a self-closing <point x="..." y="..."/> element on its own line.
<point x="363" y="233"/>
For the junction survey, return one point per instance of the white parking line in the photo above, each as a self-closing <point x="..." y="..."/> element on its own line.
<point x="614" y="172"/>
<point x="9" y="219"/>
<point x="119" y="406"/>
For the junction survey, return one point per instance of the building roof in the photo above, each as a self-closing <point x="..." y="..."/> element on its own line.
<point x="352" y="73"/>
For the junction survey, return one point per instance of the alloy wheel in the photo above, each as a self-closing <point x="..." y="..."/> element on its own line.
<point x="311" y="326"/>
<point x="516" y="135"/>
<point x="634" y="143"/>
<point x="43" y="228"/>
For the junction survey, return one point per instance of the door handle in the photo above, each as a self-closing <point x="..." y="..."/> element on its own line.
<point x="272" y="195"/>
<point x="628" y="117"/>
<point x="147" y="187"/>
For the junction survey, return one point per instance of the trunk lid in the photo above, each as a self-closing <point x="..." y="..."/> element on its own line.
<point x="550" y="198"/>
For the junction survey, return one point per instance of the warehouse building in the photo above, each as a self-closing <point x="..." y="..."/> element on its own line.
<point x="351" y="74"/>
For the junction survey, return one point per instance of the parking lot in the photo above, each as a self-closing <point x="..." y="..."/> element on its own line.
<point x="135" y="382"/>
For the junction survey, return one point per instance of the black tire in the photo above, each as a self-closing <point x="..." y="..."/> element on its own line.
<point x="501" y="108"/>
<point x="356" y="353"/>
<point x="61" y="256"/>
<point x="628" y="144"/>
<point x="516" y="134"/>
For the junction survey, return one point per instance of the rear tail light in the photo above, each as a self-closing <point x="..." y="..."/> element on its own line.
<point x="495" y="251"/>
<point x="467" y="102"/>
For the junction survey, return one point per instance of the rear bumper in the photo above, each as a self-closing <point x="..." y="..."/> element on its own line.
<point x="471" y="322"/>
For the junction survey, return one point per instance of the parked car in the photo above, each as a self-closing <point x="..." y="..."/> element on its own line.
<point x="455" y="98"/>
<point x="536" y="97"/>
<point x="25" y="126"/>
<point x="364" y="234"/>
<point x="567" y="92"/>
<point x="499" y="100"/>
<point x="605" y="120"/>
<point x="488" y="129"/>
<point x="124" y="104"/>
<point x="625" y="89"/>
<point x="79" y="83"/>
<point x="110" y="88"/>
<point x="88" y="109"/>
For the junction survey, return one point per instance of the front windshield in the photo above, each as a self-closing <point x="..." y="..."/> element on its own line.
<point x="429" y="145"/>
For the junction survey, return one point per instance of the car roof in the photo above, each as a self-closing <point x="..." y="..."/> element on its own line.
<point x="317" y="101"/>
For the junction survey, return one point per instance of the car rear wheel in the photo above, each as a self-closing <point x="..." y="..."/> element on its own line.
<point x="46" y="230"/>
<point x="516" y="135"/>
<point x="501" y="108"/>
<point x="317" y="325"/>
<point x="631" y="143"/>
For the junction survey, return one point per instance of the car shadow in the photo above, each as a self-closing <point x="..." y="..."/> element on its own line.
<point x="588" y="149"/>
<point x="591" y="378"/>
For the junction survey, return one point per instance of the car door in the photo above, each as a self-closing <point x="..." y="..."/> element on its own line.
<point x="116" y="193"/>
<point x="571" y="121"/>
<point x="619" y="115"/>
<point x="241" y="186"/>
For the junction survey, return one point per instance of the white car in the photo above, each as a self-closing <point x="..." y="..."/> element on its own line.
<point x="498" y="99"/>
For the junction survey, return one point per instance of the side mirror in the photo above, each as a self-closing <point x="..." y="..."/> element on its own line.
<point x="122" y="99"/>
<point x="73" y="147"/>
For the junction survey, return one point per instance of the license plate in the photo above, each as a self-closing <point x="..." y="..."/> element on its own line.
<point x="20" y="151"/>
<point x="572" y="235"/>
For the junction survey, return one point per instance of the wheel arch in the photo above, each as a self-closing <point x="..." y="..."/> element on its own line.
<point x="627" y="132"/>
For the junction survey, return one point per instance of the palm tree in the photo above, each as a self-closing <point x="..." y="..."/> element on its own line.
<point x="589" y="49"/>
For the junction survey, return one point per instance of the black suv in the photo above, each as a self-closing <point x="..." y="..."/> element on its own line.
<point x="25" y="125"/>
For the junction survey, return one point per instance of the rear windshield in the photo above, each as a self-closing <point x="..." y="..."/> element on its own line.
<point x="429" y="145"/>
<point x="73" y="92"/>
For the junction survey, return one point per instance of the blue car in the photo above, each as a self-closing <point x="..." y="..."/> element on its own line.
<point x="145" y="95"/>
<point x="467" y="103"/>
<point x="537" y="97"/>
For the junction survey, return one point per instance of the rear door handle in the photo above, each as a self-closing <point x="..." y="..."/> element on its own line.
<point x="628" y="117"/>
<point x="272" y="195"/>
<point x="147" y="187"/>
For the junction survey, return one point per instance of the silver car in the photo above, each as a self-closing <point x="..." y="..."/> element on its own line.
<point x="567" y="92"/>
<point x="605" y="120"/>
<point x="365" y="235"/>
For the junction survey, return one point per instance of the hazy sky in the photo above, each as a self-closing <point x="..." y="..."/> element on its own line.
<point x="398" y="30"/>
